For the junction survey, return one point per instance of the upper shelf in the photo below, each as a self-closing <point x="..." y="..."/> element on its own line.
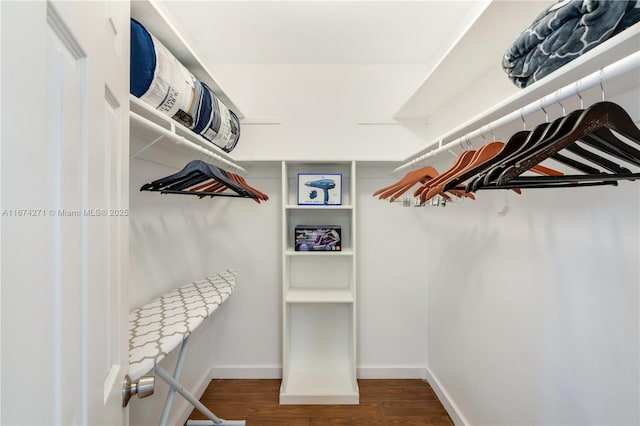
<point x="487" y="98"/>
<point x="150" y="129"/>
<point x="158" y="21"/>
<point x="477" y="51"/>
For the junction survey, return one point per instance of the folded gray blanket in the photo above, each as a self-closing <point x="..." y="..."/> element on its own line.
<point x="563" y="32"/>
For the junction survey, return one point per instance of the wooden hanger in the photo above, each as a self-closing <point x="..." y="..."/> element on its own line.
<point x="539" y="135"/>
<point x="395" y="190"/>
<point x="461" y="161"/>
<point x="598" y="116"/>
<point x="216" y="187"/>
<point x="260" y="196"/>
<point x="482" y="155"/>
<point x="410" y="179"/>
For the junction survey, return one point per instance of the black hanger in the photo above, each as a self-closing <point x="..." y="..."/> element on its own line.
<point x="192" y="168"/>
<point x="194" y="173"/>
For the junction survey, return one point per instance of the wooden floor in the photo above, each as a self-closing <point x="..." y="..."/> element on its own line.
<point x="382" y="402"/>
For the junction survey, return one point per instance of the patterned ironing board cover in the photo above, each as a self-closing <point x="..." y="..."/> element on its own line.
<point x="157" y="328"/>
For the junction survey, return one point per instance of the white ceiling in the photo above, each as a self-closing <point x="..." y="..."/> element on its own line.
<point x="323" y="32"/>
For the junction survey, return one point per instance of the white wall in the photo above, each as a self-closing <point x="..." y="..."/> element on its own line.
<point x="176" y="239"/>
<point x="319" y="107"/>
<point x="533" y="305"/>
<point x="392" y="314"/>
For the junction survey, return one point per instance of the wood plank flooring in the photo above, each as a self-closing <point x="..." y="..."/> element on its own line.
<point x="382" y="402"/>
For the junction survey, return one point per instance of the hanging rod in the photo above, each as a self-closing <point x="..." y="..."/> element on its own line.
<point x="609" y="72"/>
<point x="181" y="140"/>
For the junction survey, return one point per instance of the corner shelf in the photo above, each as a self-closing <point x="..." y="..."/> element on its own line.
<point x="319" y="295"/>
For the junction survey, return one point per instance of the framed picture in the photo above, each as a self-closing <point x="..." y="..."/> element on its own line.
<point x="319" y="189"/>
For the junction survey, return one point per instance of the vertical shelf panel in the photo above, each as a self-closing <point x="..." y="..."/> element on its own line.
<point x="319" y="332"/>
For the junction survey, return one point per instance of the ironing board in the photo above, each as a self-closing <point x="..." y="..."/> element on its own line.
<point x="159" y="327"/>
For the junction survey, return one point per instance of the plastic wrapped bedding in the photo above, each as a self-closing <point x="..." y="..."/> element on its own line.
<point x="563" y="32"/>
<point x="162" y="82"/>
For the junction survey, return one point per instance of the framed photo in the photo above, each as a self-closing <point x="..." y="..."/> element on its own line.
<point x="319" y="189"/>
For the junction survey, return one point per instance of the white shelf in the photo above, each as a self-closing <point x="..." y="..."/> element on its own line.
<point x="157" y="138"/>
<point x="159" y="22"/>
<point x="318" y="207"/>
<point x="318" y="296"/>
<point x="319" y="386"/>
<point x="465" y="59"/>
<point x="319" y="303"/>
<point x="435" y="95"/>
<point x="344" y="252"/>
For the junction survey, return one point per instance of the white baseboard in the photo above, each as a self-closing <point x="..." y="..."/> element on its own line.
<point x="444" y="397"/>
<point x="183" y="408"/>
<point x="384" y="372"/>
<point x="275" y="372"/>
<point x="246" y="372"/>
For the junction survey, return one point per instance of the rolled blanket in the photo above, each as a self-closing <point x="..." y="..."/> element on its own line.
<point x="563" y="32"/>
<point x="161" y="81"/>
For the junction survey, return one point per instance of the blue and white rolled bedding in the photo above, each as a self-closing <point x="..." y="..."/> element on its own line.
<point x="563" y="32"/>
<point x="162" y="82"/>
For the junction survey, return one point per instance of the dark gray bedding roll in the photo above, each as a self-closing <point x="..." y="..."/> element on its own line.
<point x="563" y="32"/>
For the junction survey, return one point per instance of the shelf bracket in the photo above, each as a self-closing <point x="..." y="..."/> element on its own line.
<point x="147" y="146"/>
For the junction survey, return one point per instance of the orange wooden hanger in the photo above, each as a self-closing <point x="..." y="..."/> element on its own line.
<point x="461" y="162"/>
<point x="410" y="179"/>
<point x="483" y="154"/>
<point x="240" y="181"/>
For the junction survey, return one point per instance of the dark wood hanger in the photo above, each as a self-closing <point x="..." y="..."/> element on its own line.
<point x="601" y="115"/>
<point x="603" y="140"/>
<point x="484" y="157"/>
<point x="538" y="134"/>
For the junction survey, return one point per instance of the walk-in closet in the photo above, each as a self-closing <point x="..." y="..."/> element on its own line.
<point x="320" y="212"/>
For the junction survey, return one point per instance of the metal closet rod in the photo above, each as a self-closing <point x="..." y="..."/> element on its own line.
<point x="181" y="140"/>
<point x="607" y="73"/>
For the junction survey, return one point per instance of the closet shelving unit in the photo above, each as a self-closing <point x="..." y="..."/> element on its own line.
<point x="428" y="94"/>
<point x="155" y="136"/>
<point x="319" y="296"/>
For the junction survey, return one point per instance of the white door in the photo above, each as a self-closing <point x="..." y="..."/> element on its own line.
<point x="64" y="225"/>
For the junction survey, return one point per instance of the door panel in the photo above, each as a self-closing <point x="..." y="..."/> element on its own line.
<point x="64" y="204"/>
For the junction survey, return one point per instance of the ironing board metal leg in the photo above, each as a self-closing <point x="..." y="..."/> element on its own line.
<point x="209" y="423"/>
<point x="176" y="375"/>
<point x="192" y="400"/>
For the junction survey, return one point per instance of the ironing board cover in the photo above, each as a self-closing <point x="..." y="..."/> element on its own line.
<point x="157" y="328"/>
